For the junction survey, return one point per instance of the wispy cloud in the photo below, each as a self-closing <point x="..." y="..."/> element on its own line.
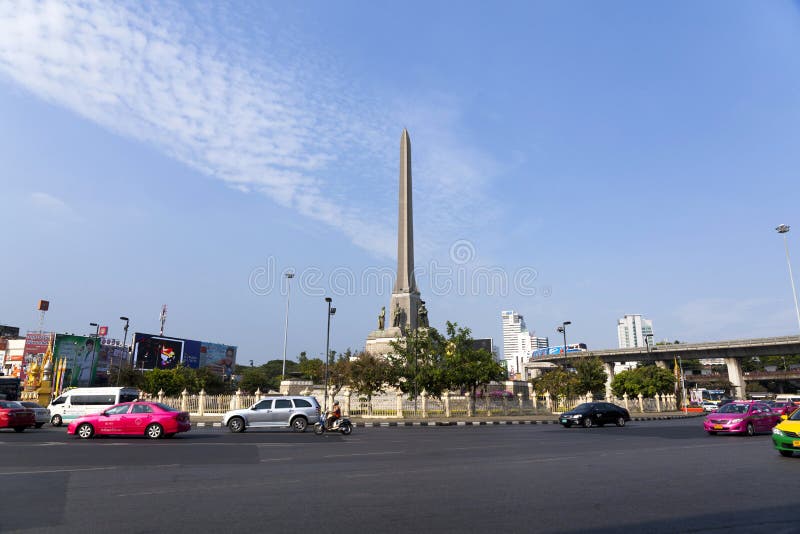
<point x="46" y="205"/>
<point x="280" y="123"/>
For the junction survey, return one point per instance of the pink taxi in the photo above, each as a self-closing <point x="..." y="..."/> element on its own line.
<point x="741" y="417"/>
<point x="151" y="419"/>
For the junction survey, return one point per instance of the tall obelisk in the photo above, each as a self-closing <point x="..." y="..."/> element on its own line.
<point x="404" y="305"/>
<point x="405" y="295"/>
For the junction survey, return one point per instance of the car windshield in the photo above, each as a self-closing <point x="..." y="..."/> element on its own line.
<point x="585" y="407"/>
<point x="734" y="408"/>
<point x="795" y="415"/>
<point x="10" y="404"/>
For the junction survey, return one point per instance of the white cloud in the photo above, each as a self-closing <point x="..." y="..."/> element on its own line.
<point x="48" y="206"/>
<point x="281" y="123"/>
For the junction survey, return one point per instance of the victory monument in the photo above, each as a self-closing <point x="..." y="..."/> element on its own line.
<point x="406" y="310"/>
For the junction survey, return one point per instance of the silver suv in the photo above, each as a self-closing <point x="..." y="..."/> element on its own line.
<point x="286" y="411"/>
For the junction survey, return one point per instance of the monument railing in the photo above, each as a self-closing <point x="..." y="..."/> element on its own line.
<point x="394" y="405"/>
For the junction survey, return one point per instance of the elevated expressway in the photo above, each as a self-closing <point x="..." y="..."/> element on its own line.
<point x="731" y="352"/>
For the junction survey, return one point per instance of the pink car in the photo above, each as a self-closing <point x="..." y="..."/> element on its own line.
<point x="741" y="417"/>
<point x="151" y="419"/>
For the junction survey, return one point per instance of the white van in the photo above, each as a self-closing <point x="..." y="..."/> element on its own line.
<point x="78" y="402"/>
<point x="788" y="397"/>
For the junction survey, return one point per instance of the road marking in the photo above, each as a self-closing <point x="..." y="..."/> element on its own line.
<point x="59" y="471"/>
<point x="363" y="454"/>
<point x="277" y="460"/>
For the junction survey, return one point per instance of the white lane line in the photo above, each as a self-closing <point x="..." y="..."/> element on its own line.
<point x="363" y="454"/>
<point x="277" y="460"/>
<point x="58" y="471"/>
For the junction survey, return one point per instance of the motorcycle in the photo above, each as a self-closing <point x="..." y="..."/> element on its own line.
<point x="342" y="425"/>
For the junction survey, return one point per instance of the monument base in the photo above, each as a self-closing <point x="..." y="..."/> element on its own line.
<point x="379" y="342"/>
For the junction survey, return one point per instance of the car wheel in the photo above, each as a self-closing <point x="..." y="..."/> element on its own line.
<point x="85" y="431"/>
<point x="19" y="429"/>
<point x="750" y="430"/>
<point x="587" y="422"/>
<point x="56" y="420"/>
<point x="154" y="431"/>
<point x="712" y="433"/>
<point x="347" y="428"/>
<point x="39" y="425"/>
<point x="318" y="430"/>
<point x="787" y="454"/>
<point x="236" y="424"/>
<point x="620" y="421"/>
<point x="299" y="424"/>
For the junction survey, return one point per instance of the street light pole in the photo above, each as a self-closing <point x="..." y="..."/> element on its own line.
<point x="683" y="383"/>
<point x="563" y="330"/>
<point x="289" y="277"/>
<point x="331" y="311"/>
<point x="124" y="348"/>
<point x="94" y="350"/>
<point x="784" y="229"/>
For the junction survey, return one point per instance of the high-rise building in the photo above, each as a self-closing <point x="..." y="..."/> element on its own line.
<point x="513" y="326"/>
<point x="518" y="343"/>
<point x="539" y="342"/>
<point x="632" y="331"/>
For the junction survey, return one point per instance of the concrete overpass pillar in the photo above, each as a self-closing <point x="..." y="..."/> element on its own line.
<point x="736" y="377"/>
<point x="661" y="364"/>
<point x="609" y="368"/>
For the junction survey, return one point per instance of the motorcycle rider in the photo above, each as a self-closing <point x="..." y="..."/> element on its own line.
<point x="333" y="415"/>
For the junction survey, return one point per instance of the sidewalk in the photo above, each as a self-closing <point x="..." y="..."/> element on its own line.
<point x="461" y="420"/>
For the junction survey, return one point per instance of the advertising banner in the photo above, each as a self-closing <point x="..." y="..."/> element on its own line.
<point x="35" y="343"/>
<point x="80" y="355"/>
<point x="8" y="331"/>
<point x="220" y="359"/>
<point x="112" y="356"/>
<point x="157" y="352"/>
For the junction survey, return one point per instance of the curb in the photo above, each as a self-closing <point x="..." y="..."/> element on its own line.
<point x="397" y="424"/>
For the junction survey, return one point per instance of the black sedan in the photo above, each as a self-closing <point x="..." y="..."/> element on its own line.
<point x="591" y="414"/>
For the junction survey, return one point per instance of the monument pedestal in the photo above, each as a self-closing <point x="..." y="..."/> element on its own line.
<point x="379" y="342"/>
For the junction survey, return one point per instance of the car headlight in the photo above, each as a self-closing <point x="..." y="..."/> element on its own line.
<point x="577" y="416"/>
<point x="778" y="432"/>
<point x="734" y="421"/>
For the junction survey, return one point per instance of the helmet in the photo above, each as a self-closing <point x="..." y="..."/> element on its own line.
<point x="336" y="403"/>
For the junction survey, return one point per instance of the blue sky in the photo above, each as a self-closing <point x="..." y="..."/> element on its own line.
<point x="602" y="158"/>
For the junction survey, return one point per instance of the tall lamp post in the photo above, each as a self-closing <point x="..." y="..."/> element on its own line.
<point x="784" y="229"/>
<point x="683" y="384"/>
<point x="94" y="350"/>
<point x="563" y="330"/>
<point x="124" y="341"/>
<point x="289" y="277"/>
<point x="331" y="311"/>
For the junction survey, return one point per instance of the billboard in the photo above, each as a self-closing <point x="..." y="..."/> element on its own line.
<point x="80" y="354"/>
<point x="35" y="343"/>
<point x="9" y="331"/>
<point x="112" y="356"/>
<point x="157" y="352"/>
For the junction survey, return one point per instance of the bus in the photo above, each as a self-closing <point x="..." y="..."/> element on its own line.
<point x="701" y="395"/>
<point x="559" y="349"/>
<point x="10" y="387"/>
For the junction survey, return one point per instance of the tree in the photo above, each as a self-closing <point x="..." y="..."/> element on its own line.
<point x="468" y="367"/>
<point x="557" y="382"/>
<point x="311" y="368"/>
<point x="255" y="378"/>
<point x="339" y="374"/>
<point x="369" y="374"/>
<point x="591" y="376"/>
<point x="645" y="380"/>
<point x="417" y="363"/>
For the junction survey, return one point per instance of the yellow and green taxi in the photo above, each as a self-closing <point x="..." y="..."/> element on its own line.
<point x="786" y="435"/>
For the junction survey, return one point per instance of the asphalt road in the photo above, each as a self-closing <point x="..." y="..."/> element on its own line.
<point x="653" y="476"/>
